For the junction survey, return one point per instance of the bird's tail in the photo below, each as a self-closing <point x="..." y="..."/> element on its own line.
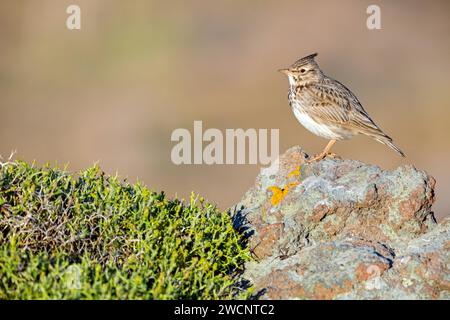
<point x="386" y="140"/>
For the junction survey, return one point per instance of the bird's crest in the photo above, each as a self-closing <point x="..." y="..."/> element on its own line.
<point x="303" y="60"/>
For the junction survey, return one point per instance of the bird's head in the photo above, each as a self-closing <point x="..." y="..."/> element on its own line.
<point x="304" y="71"/>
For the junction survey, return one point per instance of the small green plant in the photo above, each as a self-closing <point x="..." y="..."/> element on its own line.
<point x="92" y="236"/>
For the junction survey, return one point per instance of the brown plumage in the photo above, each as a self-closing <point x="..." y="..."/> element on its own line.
<point x="327" y="108"/>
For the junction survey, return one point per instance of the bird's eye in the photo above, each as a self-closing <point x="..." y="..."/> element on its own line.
<point x="302" y="70"/>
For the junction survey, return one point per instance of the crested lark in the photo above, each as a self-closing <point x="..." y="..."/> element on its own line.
<point x="327" y="108"/>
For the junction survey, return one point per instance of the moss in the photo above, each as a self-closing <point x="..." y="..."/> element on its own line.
<point x="92" y="236"/>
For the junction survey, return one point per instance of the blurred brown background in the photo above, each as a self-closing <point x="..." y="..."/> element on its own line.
<point x="114" y="91"/>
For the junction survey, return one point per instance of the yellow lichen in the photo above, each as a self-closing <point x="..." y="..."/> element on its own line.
<point x="295" y="172"/>
<point x="278" y="194"/>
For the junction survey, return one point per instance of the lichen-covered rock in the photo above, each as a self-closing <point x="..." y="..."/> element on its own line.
<point x="342" y="229"/>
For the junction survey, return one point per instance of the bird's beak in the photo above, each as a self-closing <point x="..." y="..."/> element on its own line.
<point x="285" y="71"/>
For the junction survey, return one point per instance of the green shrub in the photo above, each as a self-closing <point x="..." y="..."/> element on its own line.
<point x="92" y="236"/>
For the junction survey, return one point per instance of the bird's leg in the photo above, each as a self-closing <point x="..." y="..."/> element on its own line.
<point x="324" y="153"/>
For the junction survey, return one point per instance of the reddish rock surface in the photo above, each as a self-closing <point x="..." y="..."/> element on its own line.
<point x="346" y="230"/>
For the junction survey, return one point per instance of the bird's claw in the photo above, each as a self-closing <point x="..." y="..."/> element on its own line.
<point x="321" y="156"/>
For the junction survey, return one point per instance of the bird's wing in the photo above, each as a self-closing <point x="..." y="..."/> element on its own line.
<point x="325" y="104"/>
<point x="337" y="104"/>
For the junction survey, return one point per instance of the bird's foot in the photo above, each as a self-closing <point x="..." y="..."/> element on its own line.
<point x="321" y="156"/>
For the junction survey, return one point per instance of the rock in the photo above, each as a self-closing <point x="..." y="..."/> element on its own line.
<point x="342" y="229"/>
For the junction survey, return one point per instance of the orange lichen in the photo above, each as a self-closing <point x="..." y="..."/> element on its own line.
<point x="295" y="172"/>
<point x="278" y="194"/>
